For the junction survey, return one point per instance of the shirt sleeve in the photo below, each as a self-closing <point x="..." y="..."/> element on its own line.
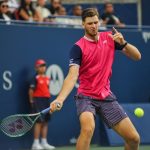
<point x="32" y="83"/>
<point x="75" y="55"/>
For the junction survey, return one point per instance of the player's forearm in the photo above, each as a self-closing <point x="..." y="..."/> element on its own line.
<point x="69" y="82"/>
<point x="132" y="52"/>
<point x="68" y="85"/>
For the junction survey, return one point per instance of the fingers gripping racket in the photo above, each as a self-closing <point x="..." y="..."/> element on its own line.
<point x="19" y="124"/>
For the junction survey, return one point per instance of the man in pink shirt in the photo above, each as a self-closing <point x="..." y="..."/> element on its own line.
<point x="91" y="60"/>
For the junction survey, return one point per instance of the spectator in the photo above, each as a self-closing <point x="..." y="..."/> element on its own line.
<point x="4" y="12"/>
<point x="76" y="18"/>
<point x="61" y="18"/>
<point x="27" y="12"/>
<point x="109" y="17"/>
<point x="13" y="5"/>
<point x="42" y="10"/>
<point x="61" y="11"/>
<point x="39" y="99"/>
<point x="77" y="10"/>
<point x="55" y="5"/>
<point x="13" y="8"/>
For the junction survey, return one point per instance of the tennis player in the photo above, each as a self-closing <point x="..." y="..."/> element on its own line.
<point x="91" y="60"/>
<point x="39" y="99"/>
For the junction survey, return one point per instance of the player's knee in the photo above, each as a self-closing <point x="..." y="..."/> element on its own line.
<point x="88" y="131"/>
<point x="134" y="139"/>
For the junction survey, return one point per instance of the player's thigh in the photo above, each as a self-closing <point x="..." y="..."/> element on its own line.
<point x="126" y="129"/>
<point x="87" y="121"/>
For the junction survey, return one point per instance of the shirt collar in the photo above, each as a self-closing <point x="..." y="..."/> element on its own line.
<point x="88" y="39"/>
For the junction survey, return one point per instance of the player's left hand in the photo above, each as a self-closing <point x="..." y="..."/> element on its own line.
<point x="117" y="37"/>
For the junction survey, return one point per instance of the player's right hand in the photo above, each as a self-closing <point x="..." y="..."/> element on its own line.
<point x="55" y="106"/>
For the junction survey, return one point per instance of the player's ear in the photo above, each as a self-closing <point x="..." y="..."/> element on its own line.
<point x="99" y="23"/>
<point x="83" y="24"/>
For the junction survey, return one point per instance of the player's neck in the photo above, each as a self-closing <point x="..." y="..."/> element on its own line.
<point x="92" y="38"/>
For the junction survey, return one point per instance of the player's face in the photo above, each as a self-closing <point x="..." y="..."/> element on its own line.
<point x="91" y="26"/>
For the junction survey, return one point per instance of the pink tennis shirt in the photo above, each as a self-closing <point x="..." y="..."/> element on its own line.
<point x="95" y="59"/>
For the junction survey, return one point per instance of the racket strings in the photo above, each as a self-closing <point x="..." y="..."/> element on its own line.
<point x="14" y="126"/>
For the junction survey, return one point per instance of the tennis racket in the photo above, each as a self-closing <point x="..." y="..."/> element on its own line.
<point x="19" y="124"/>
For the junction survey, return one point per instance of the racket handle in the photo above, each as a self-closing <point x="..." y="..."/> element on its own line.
<point x="45" y="111"/>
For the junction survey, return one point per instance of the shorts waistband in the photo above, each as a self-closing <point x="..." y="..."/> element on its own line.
<point x="109" y="98"/>
<point x="86" y="97"/>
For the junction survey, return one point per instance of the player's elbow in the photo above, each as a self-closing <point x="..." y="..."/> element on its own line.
<point x="74" y="77"/>
<point x="138" y="57"/>
<point x="136" y="54"/>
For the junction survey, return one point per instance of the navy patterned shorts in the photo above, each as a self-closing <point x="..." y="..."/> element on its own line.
<point x="40" y="104"/>
<point x="109" y="109"/>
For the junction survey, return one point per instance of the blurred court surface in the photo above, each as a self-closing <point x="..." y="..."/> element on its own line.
<point x="103" y="148"/>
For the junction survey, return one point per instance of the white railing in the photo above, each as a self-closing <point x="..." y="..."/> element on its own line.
<point x="68" y="22"/>
<point x="97" y="1"/>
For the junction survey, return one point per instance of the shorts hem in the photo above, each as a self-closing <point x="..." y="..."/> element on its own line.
<point x="114" y="124"/>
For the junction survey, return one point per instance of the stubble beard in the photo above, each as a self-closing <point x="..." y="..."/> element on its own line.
<point x="93" y="35"/>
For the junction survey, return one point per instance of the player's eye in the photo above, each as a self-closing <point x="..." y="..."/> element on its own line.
<point x="96" y="22"/>
<point x="90" y="23"/>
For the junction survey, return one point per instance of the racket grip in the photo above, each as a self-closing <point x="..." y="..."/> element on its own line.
<point x="45" y="111"/>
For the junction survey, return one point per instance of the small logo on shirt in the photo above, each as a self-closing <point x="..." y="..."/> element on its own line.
<point x="105" y="42"/>
<point x="71" y="61"/>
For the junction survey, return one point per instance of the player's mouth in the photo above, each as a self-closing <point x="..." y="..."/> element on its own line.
<point x="94" y="31"/>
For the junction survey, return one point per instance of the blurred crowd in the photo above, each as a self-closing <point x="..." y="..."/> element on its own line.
<point x="52" y="11"/>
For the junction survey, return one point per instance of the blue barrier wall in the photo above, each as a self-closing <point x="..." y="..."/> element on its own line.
<point x="20" y="46"/>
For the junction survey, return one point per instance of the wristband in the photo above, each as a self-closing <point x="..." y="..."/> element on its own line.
<point x="124" y="45"/>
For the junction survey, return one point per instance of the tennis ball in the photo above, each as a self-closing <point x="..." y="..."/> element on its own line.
<point x="139" y="112"/>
